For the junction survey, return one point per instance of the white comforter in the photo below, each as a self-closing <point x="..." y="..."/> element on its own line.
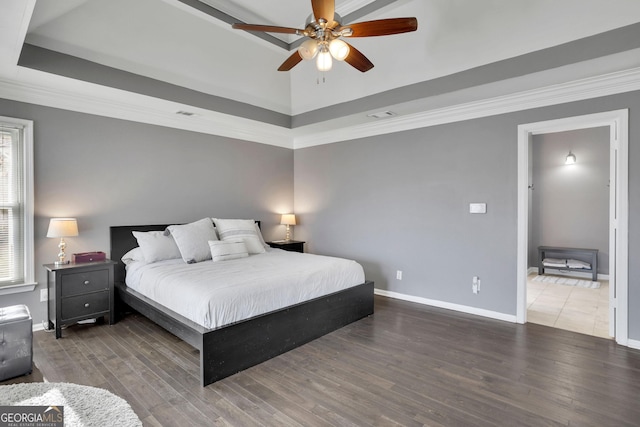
<point x="214" y="294"/>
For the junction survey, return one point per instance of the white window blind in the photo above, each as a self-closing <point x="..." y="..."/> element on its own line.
<point x="16" y="246"/>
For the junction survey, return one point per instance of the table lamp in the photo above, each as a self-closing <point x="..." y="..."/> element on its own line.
<point x="288" y="220"/>
<point x="62" y="227"/>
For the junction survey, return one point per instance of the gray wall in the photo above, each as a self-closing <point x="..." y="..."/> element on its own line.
<point x="113" y="172"/>
<point x="400" y="202"/>
<point x="393" y="202"/>
<point x="570" y="203"/>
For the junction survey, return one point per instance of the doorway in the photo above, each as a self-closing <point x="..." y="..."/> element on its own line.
<point x="617" y="123"/>
<point x="569" y="208"/>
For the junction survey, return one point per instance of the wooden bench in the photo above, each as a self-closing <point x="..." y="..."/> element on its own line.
<point x="566" y="253"/>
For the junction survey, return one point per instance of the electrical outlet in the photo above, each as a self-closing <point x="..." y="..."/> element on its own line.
<point x="399" y="274"/>
<point x="475" y="285"/>
<point x="44" y="295"/>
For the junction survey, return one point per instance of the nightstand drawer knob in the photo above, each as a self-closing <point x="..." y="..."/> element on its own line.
<point x="86" y="282"/>
<point x="86" y="305"/>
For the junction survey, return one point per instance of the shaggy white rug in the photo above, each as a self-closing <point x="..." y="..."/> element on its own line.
<point x="83" y="405"/>
<point x="567" y="281"/>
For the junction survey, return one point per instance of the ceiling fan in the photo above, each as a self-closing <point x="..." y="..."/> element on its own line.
<point x="325" y="31"/>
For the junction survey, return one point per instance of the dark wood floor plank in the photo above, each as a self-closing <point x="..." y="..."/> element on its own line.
<point x="361" y="373"/>
<point x="415" y="375"/>
<point x="269" y="392"/>
<point x="406" y="365"/>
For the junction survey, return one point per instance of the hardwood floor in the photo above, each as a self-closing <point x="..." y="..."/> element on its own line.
<point x="407" y="365"/>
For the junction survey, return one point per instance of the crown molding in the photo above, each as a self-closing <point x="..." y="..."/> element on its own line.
<point x="578" y="90"/>
<point x="60" y="92"/>
<point x="50" y="90"/>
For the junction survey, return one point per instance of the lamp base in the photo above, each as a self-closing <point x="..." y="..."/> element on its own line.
<point x="61" y="255"/>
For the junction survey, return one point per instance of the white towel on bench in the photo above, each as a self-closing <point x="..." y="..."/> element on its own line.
<point x="554" y="262"/>
<point x="574" y="263"/>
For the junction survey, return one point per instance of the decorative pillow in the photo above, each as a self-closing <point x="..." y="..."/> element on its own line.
<point x="156" y="246"/>
<point x="192" y="239"/>
<point x="228" y="249"/>
<point x="245" y="229"/>
<point x="133" y="255"/>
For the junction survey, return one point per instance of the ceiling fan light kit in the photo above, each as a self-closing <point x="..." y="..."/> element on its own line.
<point x="324" y="30"/>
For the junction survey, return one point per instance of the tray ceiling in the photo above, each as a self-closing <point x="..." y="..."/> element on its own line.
<point x="190" y="43"/>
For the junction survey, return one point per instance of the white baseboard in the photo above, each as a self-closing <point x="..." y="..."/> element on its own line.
<point x="38" y="326"/>
<point x="534" y="270"/>
<point x="448" y="305"/>
<point x="633" y="344"/>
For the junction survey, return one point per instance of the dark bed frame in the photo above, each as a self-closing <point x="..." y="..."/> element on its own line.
<point x="230" y="349"/>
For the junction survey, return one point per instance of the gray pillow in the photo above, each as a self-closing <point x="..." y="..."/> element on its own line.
<point x="193" y="239"/>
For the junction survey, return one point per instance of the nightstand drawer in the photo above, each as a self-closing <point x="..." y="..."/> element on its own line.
<point x="81" y="283"/>
<point x="84" y="305"/>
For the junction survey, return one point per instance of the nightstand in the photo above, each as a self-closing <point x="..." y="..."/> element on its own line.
<point x="78" y="292"/>
<point x="288" y="245"/>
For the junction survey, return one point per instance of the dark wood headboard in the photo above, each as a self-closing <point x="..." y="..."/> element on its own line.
<point x="122" y="241"/>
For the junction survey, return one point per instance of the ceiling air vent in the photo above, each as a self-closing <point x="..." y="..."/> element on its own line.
<point x="382" y="114"/>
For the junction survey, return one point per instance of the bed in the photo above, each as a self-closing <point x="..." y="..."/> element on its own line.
<point x="230" y="348"/>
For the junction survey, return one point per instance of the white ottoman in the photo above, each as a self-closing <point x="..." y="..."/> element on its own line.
<point x="16" y="341"/>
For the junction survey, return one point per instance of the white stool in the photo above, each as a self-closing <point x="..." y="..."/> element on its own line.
<point x="16" y="341"/>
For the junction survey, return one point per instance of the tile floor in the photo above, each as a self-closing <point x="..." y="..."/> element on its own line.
<point x="568" y="307"/>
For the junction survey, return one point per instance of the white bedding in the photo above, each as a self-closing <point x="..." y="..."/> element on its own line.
<point x="214" y="294"/>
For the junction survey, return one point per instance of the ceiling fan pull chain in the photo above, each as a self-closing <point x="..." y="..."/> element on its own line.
<point x="324" y="80"/>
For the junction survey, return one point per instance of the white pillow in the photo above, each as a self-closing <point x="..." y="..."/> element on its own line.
<point x="156" y="246"/>
<point x="245" y="229"/>
<point x="228" y="249"/>
<point x="260" y="236"/>
<point x="133" y="255"/>
<point x="192" y="239"/>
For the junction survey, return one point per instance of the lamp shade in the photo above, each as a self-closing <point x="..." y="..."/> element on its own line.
<point x="339" y="49"/>
<point x="62" y="227"/>
<point x="324" y="61"/>
<point x="308" y="49"/>
<point x="288" y="219"/>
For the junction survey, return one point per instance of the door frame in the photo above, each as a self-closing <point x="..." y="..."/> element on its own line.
<point x="618" y="123"/>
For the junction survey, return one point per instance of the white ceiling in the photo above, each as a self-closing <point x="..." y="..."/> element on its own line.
<point x="170" y="41"/>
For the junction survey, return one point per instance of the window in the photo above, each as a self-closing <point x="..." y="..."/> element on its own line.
<point x="16" y="203"/>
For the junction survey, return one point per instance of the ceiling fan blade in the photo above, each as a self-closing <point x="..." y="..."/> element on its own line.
<point x="324" y="9"/>
<point x="382" y="27"/>
<point x="357" y="60"/>
<point x="291" y="62"/>
<point x="267" y="29"/>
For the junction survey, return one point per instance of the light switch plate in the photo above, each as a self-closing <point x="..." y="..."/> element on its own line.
<point x="479" y="208"/>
